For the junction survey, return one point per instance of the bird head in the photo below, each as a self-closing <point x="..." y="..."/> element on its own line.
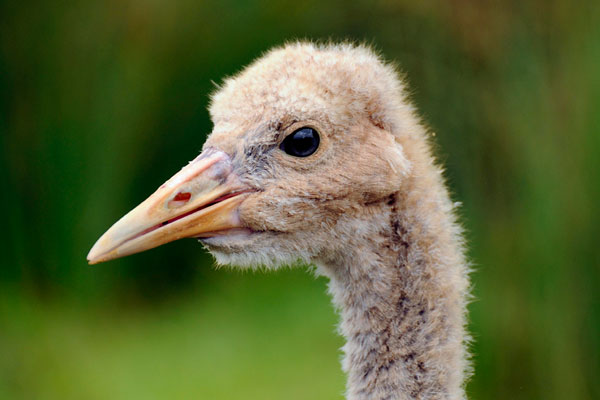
<point x="305" y="139"/>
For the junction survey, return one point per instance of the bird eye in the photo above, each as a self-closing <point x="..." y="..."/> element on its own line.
<point x="301" y="143"/>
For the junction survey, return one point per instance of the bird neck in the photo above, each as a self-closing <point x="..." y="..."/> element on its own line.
<point x="401" y="287"/>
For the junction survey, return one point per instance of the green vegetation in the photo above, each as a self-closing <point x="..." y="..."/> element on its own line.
<point x="224" y="343"/>
<point x="100" y="102"/>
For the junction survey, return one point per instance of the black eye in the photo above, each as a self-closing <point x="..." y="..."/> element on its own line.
<point x="302" y="143"/>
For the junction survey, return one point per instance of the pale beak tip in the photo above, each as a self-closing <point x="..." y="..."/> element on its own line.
<point x="98" y="259"/>
<point x="92" y="259"/>
<point x="96" y="255"/>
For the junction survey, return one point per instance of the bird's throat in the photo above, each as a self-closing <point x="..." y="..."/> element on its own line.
<point x="401" y="298"/>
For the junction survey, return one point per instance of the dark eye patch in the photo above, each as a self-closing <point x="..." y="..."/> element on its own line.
<point x="301" y="143"/>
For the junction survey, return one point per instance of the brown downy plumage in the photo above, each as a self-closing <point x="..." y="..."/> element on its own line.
<point x="354" y="190"/>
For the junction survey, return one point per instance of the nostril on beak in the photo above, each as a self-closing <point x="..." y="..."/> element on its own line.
<point x="180" y="199"/>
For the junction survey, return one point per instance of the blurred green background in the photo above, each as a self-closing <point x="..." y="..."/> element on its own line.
<point x="101" y="101"/>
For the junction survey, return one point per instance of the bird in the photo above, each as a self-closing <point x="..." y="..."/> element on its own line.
<point x="317" y="156"/>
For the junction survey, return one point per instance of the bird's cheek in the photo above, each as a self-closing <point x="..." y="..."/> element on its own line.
<point x="252" y="213"/>
<point x="268" y="212"/>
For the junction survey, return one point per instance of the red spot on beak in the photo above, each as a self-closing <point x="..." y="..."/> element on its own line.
<point x="182" y="196"/>
<point x="180" y="199"/>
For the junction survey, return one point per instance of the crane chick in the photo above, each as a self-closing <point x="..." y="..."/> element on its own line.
<point x="317" y="156"/>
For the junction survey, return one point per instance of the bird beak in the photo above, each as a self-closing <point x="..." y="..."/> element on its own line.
<point x="201" y="200"/>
